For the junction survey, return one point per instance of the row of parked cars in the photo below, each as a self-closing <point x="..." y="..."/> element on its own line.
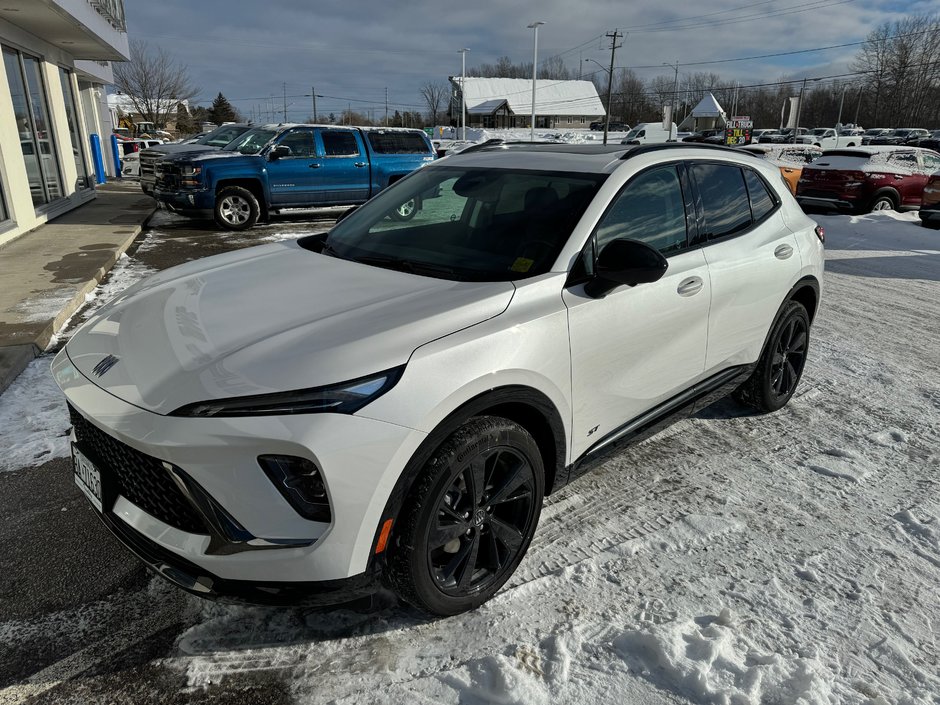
<point x="860" y="179"/>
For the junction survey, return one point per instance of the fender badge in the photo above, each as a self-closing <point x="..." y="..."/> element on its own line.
<point x="106" y="364"/>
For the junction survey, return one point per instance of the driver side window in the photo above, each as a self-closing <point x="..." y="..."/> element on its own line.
<point x="650" y="209"/>
<point x="300" y="142"/>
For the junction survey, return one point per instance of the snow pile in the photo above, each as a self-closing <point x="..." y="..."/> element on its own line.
<point x="34" y="422"/>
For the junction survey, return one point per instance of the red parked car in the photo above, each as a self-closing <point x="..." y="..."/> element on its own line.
<point x="930" y="208"/>
<point x="866" y="179"/>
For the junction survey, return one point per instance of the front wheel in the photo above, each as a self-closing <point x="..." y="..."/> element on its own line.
<point x="470" y="518"/>
<point x="236" y="208"/>
<point x="780" y="366"/>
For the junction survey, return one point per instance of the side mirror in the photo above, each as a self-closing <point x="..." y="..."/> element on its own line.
<point x="279" y="151"/>
<point x="628" y="262"/>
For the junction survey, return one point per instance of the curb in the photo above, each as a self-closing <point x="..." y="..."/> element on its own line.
<point x="15" y="358"/>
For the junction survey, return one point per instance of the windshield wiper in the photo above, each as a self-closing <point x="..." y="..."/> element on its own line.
<point x="411" y="267"/>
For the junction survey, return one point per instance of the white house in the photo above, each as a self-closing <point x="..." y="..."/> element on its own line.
<point x="56" y="60"/>
<point x="507" y="102"/>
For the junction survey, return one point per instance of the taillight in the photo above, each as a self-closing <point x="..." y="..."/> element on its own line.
<point x="821" y="233"/>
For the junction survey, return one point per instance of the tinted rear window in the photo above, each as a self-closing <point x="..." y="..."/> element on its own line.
<point x="724" y="196"/>
<point x="850" y="163"/>
<point x="761" y="200"/>
<point x="398" y="143"/>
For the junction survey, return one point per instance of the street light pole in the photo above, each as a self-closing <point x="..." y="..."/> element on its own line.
<point x="463" y="100"/>
<point x="675" y="92"/>
<point x="535" y="67"/>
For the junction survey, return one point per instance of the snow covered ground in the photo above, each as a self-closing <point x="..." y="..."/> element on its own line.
<point x="732" y="559"/>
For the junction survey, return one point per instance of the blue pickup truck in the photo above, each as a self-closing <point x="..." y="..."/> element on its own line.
<point x="274" y="167"/>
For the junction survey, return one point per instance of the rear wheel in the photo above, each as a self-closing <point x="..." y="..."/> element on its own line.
<point x="883" y="202"/>
<point x="470" y="518"/>
<point x="780" y="366"/>
<point x="236" y="208"/>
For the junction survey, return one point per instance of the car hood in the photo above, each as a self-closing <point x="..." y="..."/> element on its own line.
<point x="269" y="319"/>
<point x="173" y="149"/>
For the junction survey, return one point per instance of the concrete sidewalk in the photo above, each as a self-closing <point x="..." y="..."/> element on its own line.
<point x="45" y="274"/>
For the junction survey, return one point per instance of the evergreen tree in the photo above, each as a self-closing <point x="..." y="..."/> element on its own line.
<point x="221" y="110"/>
<point x="185" y="124"/>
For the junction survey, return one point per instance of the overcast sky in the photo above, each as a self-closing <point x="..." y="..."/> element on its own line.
<point x="352" y="51"/>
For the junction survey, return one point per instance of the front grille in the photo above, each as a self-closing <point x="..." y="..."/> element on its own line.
<point x="140" y="478"/>
<point x="167" y="176"/>
<point x="147" y="162"/>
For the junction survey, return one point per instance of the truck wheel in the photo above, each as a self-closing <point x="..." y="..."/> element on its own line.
<point x="406" y="211"/>
<point x="236" y="208"/>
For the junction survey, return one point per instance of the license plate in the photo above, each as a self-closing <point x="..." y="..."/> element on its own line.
<point x="87" y="477"/>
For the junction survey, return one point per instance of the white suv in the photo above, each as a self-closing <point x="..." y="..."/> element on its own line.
<point x="390" y="401"/>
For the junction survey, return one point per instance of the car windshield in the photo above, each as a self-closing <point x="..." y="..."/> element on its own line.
<point x="251" y="142"/>
<point x="467" y="224"/>
<point x="221" y="136"/>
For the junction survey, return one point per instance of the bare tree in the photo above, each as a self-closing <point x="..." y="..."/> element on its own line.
<point x="435" y="94"/>
<point x="153" y="82"/>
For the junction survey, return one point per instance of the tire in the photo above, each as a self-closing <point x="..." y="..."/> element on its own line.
<point x="780" y="366"/>
<point x="452" y="518"/>
<point x="883" y="202"/>
<point x="236" y="208"/>
<point x="406" y="211"/>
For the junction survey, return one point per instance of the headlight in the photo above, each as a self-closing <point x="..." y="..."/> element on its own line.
<point x="190" y="169"/>
<point x="345" y="398"/>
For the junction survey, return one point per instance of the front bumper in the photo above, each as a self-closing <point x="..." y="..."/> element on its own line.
<point x="194" y="203"/>
<point x="827" y="202"/>
<point x="198" y="581"/>
<point x="929" y="215"/>
<point x="360" y="460"/>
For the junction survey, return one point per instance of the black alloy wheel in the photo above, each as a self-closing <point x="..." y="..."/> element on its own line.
<point x="482" y="521"/>
<point x="469" y="519"/>
<point x="780" y="366"/>
<point x="789" y="356"/>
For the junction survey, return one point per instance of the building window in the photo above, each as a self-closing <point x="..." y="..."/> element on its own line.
<point x="31" y="111"/>
<point x="71" y="112"/>
<point x="4" y="216"/>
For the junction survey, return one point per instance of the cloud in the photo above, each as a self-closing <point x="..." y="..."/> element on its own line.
<point x="354" y="50"/>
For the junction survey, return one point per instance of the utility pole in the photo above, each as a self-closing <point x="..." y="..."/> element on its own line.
<point x="675" y="93"/>
<point x="841" y="101"/>
<point x="463" y="94"/>
<point x="613" y="36"/>
<point x="313" y="93"/>
<point x="285" y="101"/>
<point x="799" y="109"/>
<point x="386" y="106"/>
<point x="858" y="106"/>
<point x="535" y="69"/>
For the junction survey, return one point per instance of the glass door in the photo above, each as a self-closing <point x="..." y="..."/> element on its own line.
<point x="31" y="112"/>
<point x="78" y="145"/>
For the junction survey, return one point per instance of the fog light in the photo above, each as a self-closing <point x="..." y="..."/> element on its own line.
<point x="301" y="484"/>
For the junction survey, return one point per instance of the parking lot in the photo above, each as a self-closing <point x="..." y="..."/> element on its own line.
<point x="765" y="558"/>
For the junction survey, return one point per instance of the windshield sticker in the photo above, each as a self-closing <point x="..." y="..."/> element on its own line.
<point x="522" y="264"/>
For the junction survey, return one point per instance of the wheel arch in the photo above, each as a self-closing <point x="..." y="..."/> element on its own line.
<point x="253" y="185"/>
<point x="806" y="291"/>
<point x="889" y="191"/>
<point x="526" y="406"/>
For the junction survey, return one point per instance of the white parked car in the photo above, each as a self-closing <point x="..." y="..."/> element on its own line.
<point x="390" y="401"/>
<point x="130" y="155"/>
<point x="828" y="138"/>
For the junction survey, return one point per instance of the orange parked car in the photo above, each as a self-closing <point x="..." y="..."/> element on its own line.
<point x="790" y="158"/>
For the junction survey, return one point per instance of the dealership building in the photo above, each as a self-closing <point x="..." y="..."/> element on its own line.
<point x="56" y="61"/>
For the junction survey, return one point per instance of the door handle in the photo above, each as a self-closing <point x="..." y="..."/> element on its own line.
<point x="314" y="165"/>
<point x="783" y="252"/>
<point x="690" y="286"/>
<point x="360" y="164"/>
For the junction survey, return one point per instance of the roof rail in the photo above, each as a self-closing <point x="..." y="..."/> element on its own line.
<point x="640" y="149"/>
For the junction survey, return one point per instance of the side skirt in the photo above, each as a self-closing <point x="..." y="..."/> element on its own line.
<point x="681" y="406"/>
